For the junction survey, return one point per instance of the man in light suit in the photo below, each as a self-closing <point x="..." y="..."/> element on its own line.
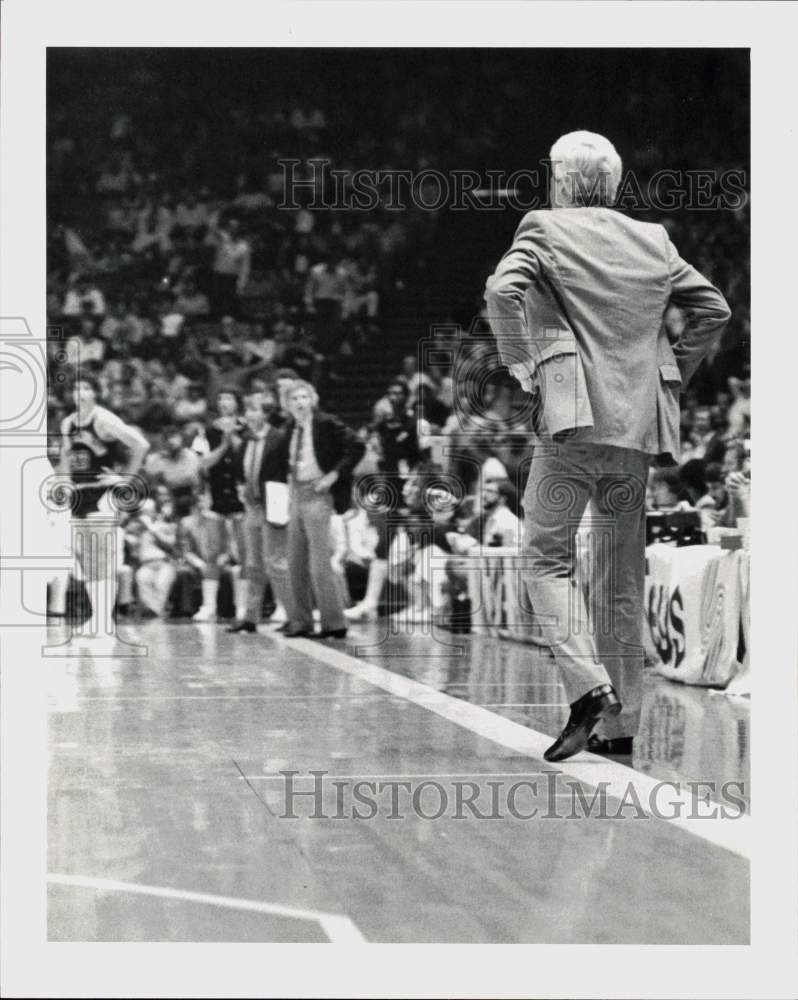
<point x="577" y="306"/>
<point x="319" y="453"/>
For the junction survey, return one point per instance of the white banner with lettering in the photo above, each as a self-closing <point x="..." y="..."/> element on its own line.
<point x="696" y="609"/>
<point x="693" y="607"/>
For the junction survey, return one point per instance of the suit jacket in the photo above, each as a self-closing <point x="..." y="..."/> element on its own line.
<point x="272" y="468"/>
<point x="336" y="447"/>
<point x="580" y="297"/>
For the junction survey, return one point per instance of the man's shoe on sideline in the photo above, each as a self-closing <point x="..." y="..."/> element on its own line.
<point x="331" y="633"/>
<point x="586" y="711"/>
<point x="621" y="746"/>
<point x="295" y="633"/>
<point x="243" y="626"/>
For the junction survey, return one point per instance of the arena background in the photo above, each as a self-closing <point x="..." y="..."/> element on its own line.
<point x="140" y="139"/>
<point x="214" y="123"/>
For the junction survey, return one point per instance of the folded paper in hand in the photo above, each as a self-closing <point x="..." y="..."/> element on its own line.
<point x="277" y="503"/>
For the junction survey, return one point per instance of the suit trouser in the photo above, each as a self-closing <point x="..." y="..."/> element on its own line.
<point x="221" y="530"/>
<point x="599" y="641"/>
<point x="265" y="557"/>
<point x="310" y="551"/>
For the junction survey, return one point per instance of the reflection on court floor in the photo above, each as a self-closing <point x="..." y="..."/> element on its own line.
<point x="172" y="818"/>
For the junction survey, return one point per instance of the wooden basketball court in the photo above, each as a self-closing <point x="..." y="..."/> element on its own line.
<point x="172" y="818"/>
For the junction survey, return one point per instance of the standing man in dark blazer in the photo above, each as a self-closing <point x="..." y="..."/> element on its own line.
<point x="577" y="307"/>
<point x="265" y="544"/>
<point x="319" y="454"/>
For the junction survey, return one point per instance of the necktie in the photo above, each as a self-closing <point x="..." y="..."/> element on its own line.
<point x="298" y="441"/>
<point x="253" y="486"/>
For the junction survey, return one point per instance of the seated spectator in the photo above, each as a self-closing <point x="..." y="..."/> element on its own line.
<point x="395" y="427"/>
<point x="339" y="545"/>
<point x="740" y="407"/>
<point x="735" y="458"/>
<point x="83" y="297"/>
<point x="701" y="434"/>
<point x="193" y="406"/>
<point x="85" y="348"/>
<point x="490" y="435"/>
<point x="413" y="378"/>
<point x="190" y="213"/>
<point x="136" y="394"/>
<point x="156" y="571"/>
<point x="190" y="301"/>
<point x="464" y="539"/>
<point x="170" y="320"/>
<point x="667" y="491"/>
<point x="361" y="296"/>
<point x="231" y="266"/>
<point x="112" y="326"/>
<point x="177" y="467"/>
<point x="714" y="505"/>
<point x="738" y="485"/>
<point x="190" y="560"/>
<point x="326" y="289"/>
<point x="737" y="471"/>
<point x="364" y="569"/>
<point x="116" y="395"/>
<point x="150" y="232"/>
<point x="500" y="527"/>
<point x="420" y="548"/>
<point x="693" y="480"/>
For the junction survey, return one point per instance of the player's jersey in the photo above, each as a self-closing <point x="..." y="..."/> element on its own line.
<point x="92" y="447"/>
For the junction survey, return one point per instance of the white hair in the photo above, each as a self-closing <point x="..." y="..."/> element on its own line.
<point x="587" y="170"/>
<point x="300" y="384"/>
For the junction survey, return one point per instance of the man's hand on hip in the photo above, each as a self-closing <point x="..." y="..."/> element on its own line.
<point x="523" y="373"/>
<point x="326" y="482"/>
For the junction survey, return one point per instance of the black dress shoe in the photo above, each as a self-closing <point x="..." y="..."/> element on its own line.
<point x="243" y="626"/>
<point x="331" y="633"/>
<point x="621" y="746"/>
<point x="295" y="633"/>
<point x="597" y="704"/>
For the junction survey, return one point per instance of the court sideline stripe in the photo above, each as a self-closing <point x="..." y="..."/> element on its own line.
<point x="338" y="928"/>
<point x="731" y="833"/>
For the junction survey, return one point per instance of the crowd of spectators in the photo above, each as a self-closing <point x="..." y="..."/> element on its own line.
<point x="178" y="267"/>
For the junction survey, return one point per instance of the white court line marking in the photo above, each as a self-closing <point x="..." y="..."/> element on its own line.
<point x="339" y="929"/>
<point x="233" y="697"/>
<point x="524" y="704"/>
<point x="731" y="833"/>
<point x="508" y="684"/>
<point x="392" y="777"/>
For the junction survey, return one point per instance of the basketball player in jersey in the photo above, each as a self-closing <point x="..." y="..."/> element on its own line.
<point x="224" y="521"/>
<point x="93" y="440"/>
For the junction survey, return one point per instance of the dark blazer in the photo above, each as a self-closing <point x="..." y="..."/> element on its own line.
<point x="272" y="466"/>
<point x="580" y="299"/>
<point x="336" y="446"/>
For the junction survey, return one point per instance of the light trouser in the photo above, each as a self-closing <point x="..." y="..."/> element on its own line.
<point x="265" y="557"/>
<point x="599" y="641"/>
<point x="155" y="579"/>
<point x="223" y="533"/>
<point x="310" y="551"/>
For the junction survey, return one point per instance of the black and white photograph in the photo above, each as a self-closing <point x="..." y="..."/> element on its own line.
<point x="378" y="542"/>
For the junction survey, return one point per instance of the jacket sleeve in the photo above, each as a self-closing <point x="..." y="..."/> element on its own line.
<point x="504" y="295"/>
<point x="274" y="466"/>
<point x="348" y="446"/>
<point x="706" y="313"/>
